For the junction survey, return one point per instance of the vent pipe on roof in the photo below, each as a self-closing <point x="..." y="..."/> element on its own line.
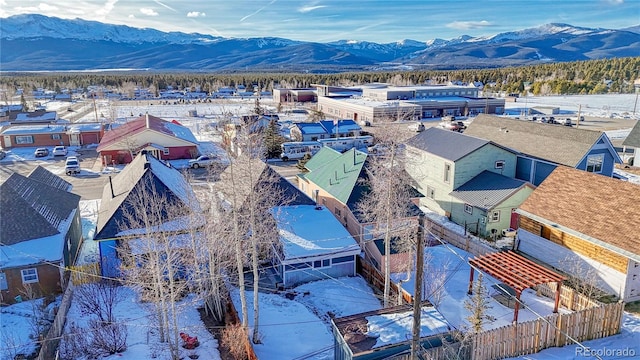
<point x="111" y="186"/>
<point x="147" y="119"/>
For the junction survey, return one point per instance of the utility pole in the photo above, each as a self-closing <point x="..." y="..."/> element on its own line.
<point x="578" y="121"/>
<point x="417" y="292"/>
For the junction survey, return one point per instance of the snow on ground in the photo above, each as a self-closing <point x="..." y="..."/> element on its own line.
<point x="18" y="326"/>
<point x="142" y="334"/>
<point x="300" y="327"/>
<point x="607" y="105"/>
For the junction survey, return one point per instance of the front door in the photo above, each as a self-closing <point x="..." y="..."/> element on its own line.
<point x="7" y="141"/>
<point x="74" y="139"/>
<point x="514" y="219"/>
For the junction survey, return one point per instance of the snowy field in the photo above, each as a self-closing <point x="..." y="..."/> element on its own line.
<point x="291" y="328"/>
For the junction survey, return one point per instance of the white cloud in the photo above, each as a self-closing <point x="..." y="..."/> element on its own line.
<point x="467" y="25"/>
<point x="195" y="14"/>
<point x="106" y="8"/>
<point x="615" y="2"/>
<point x="131" y="16"/>
<point x="41" y="8"/>
<point x="306" y="9"/>
<point x="148" y="12"/>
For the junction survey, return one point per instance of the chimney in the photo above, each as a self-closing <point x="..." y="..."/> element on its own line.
<point x="111" y="186"/>
<point x="147" y="119"/>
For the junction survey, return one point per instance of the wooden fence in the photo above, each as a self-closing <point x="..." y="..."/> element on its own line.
<point x="375" y="278"/>
<point x="85" y="274"/>
<point x="551" y="331"/>
<point x="569" y="298"/>
<point x="49" y="347"/>
<point x="231" y="318"/>
<point x="468" y="243"/>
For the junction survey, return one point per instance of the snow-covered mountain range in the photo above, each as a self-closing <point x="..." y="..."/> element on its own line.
<point x="41" y="43"/>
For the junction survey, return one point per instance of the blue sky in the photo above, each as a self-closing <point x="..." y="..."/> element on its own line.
<point x="380" y="21"/>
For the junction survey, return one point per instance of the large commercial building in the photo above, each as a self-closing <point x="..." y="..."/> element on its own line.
<point x="381" y="102"/>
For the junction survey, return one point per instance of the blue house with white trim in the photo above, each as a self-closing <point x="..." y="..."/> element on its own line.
<point x="542" y="147"/>
<point x="313" y="245"/>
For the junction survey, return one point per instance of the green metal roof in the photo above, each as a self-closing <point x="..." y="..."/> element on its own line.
<point x="336" y="173"/>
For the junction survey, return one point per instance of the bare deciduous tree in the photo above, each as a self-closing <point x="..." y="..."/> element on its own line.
<point x="388" y="204"/>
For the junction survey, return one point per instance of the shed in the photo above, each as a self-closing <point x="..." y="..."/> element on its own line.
<point x="384" y="333"/>
<point x="313" y="245"/>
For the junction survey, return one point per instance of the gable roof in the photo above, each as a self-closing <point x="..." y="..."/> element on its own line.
<point x="143" y="123"/>
<point x="290" y="194"/>
<point x="633" y="139"/>
<point x="30" y="209"/>
<point x="311" y="128"/>
<point x="309" y="230"/>
<point x="446" y="144"/>
<point x="488" y="189"/>
<point x="323" y="156"/>
<point x="47" y="177"/>
<point x="342" y="126"/>
<point x="597" y="208"/>
<point x="144" y="173"/>
<point x="339" y="176"/>
<point x="560" y="144"/>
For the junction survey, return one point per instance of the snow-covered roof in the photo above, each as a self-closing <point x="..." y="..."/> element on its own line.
<point x="46" y="249"/>
<point x="34" y="129"/>
<point x="307" y="230"/>
<point x="394" y="328"/>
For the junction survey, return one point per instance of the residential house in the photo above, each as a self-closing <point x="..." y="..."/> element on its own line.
<point x="163" y="139"/>
<point x="40" y="234"/>
<point x="313" y="245"/>
<point x="338" y="181"/>
<point x="145" y="182"/>
<point x="386" y="333"/>
<point x="50" y="135"/>
<point x="585" y="225"/>
<point x="450" y="168"/>
<point x="633" y="141"/>
<point x="308" y="132"/>
<point x="35" y="117"/>
<point x="324" y="129"/>
<point x="341" y="128"/>
<point x="485" y="203"/>
<point x="542" y="147"/>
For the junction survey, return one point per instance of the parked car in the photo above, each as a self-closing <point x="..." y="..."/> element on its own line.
<point x="41" y="152"/>
<point x="59" y="151"/>
<point x="450" y="125"/>
<point x="461" y="126"/>
<point x="202" y="161"/>
<point x="417" y="127"/>
<point x="72" y="166"/>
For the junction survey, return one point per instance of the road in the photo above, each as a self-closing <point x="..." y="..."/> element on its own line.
<point x="90" y="184"/>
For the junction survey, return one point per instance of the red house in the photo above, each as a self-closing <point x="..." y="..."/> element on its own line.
<point x="163" y="139"/>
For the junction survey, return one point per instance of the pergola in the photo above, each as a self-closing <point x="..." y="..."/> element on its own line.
<point x="517" y="272"/>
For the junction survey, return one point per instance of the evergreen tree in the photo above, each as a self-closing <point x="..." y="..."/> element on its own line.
<point x="478" y="305"/>
<point x="23" y="102"/>
<point x="272" y="140"/>
<point x="302" y="162"/>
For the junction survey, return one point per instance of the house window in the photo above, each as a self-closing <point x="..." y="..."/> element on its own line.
<point x="337" y="212"/>
<point x="495" y="216"/>
<point x="431" y="192"/>
<point x="56" y="137"/>
<point x="594" y="163"/>
<point x="165" y="151"/>
<point x="3" y="281"/>
<point x="447" y="173"/>
<point x="24" y="139"/>
<point x="499" y="164"/>
<point x="29" y="276"/>
<point x="468" y="209"/>
<point x="321" y="263"/>
<point x="342" y="259"/>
